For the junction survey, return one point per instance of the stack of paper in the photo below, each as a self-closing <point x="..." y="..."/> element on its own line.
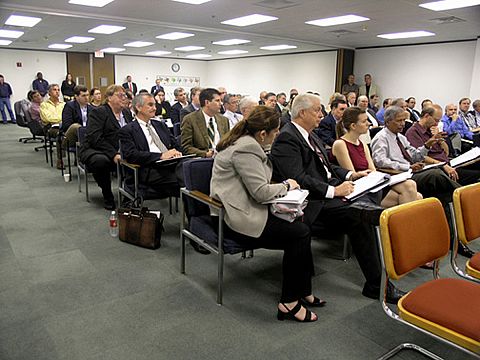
<point x="296" y="196"/>
<point x="366" y="183"/>
<point x="469" y="156"/>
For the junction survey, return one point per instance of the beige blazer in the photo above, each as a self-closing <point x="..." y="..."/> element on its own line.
<point x="195" y="135"/>
<point x="241" y="181"/>
<point x="373" y="90"/>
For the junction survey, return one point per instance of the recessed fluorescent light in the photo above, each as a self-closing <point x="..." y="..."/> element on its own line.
<point x="94" y="3"/>
<point x="139" y="44"/>
<point x="230" y="42"/>
<point x="5" y="42"/>
<point x="174" y="35"/>
<point x="233" y="52"/>
<point x="193" y="2"/>
<point x="199" y="56"/>
<point x="249" y="20"/>
<point x="158" y="52"/>
<point x="278" y="47"/>
<point x="112" y="49"/>
<point x="106" y="29"/>
<point x="189" y="48"/>
<point x="19" y="20"/>
<point x="11" y="34"/>
<point x="449" y="4"/>
<point x="406" y="34"/>
<point x="79" y="39"/>
<point x="337" y="20"/>
<point x="60" y="46"/>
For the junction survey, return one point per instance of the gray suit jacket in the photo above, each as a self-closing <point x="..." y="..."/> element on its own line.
<point x="373" y="90"/>
<point x="195" y="135"/>
<point x="241" y="181"/>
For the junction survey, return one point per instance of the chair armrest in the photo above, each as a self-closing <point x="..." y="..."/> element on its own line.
<point x="129" y="165"/>
<point x="203" y="198"/>
<point x="390" y="171"/>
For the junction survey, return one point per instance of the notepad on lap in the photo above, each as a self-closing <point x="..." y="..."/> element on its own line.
<point x="296" y="196"/>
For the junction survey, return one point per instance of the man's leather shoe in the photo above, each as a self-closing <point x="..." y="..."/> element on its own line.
<point x="465" y="251"/>
<point x="198" y="248"/>
<point x="109" y="204"/>
<point x="373" y="292"/>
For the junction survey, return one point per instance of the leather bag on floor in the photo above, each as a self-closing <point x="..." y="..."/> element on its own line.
<point x="138" y="226"/>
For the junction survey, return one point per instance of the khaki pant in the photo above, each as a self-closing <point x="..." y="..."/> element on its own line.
<point x="71" y="136"/>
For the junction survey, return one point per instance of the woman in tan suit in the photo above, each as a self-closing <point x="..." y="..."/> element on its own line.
<point x="241" y="181"/>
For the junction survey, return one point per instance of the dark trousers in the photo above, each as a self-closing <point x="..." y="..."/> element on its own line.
<point x="294" y="239"/>
<point x="435" y="183"/>
<point x="101" y="166"/>
<point x="334" y="214"/>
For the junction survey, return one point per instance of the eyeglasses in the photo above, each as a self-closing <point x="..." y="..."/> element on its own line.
<point x="121" y="95"/>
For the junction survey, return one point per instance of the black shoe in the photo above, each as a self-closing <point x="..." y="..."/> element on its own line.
<point x="373" y="292"/>
<point x="109" y="204"/>
<point x="316" y="302"/>
<point x="198" y="248"/>
<point x="292" y="312"/>
<point x="465" y="251"/>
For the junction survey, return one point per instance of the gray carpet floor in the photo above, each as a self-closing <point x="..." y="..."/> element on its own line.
<point x="70" y="291"/>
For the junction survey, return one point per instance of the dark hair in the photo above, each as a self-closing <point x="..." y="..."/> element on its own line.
<point x="410" y="98"/>
<point x="269" y="95"/>
<point x="158" y="91"/>
<point x="79" y="88"/>
<point x="336" y="102"/>
<point x="144" y="91"/>
<point x="429" y="109"/>
<point x="1" y="76"/>
<point x="372" y="96"/>
<point x="424" y="101"/>
<point x="208" y="94"/>
<point x="260" y="118"/>
<point x="94" y="89"/>
<point x="459" y="103"/>
<point x="350" y="116"/>
<point x="30" y="94"/>
<point x="66" y="76"/>
<point x="385" y="102"/>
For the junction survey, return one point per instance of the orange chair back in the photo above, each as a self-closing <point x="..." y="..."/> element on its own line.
<point x="466" y="201"/>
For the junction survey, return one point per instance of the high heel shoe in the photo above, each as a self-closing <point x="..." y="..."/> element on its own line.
<point x="316" y="302"/>
<point x="291" y="313"/>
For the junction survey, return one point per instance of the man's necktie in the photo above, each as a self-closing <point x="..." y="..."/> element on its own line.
<point x="317" y="150"/>
<point x="211" y="133"/>
<point x="130" y="85"/>
<point x="156" y="139"/>
<point x="405" y="154"/>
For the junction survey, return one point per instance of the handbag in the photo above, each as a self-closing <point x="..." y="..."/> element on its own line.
<point x="138" y="226"/>
<point x="288" y="211"/>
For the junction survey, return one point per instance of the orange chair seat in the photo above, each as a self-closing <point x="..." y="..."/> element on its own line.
<point x="473" y="266"/>
<point x="446" y="307"/>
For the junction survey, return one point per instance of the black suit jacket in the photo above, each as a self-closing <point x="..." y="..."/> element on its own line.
<point x="164" y="105"/>
<point x="135" y="148"/>
<point x="293" y="158"/>
<point x="279" y="110"/>
<point x="285" y="119"/>
<point x="412" y="116"/>
<point x="101" y="136"/>
<point x="72" y="114"/>
<point x="326" y="129"/>
<point x="134" y="86"/>
<point x="186" y="110"/>
<point x="175" y="112"/>
<point x="154" y="88"/>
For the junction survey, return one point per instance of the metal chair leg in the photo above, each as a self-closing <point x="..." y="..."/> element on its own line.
<point x="408" y="346"/>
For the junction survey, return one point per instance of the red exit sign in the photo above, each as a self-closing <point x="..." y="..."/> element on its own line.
<point x="19" y="64"/>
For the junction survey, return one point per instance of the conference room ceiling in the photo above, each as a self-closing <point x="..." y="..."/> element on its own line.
<point x="146" y="19"/>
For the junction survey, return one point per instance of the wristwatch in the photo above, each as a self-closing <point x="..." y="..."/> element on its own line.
<point x="285" y="182"/>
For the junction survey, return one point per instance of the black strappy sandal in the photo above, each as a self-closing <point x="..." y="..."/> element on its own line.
<point x="291" y="313"/>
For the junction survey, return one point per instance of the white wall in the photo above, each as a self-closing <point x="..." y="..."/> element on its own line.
<point x="144" y="71"/>
<point x="249" y="76"/>
<point x="441" y="72"/>
<point x="53" y="65"/>
<point x="475" y="85"/>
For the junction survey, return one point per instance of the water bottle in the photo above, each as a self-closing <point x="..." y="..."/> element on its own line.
<point x="113" y="224"/>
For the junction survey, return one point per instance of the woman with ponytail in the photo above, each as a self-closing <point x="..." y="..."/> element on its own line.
<point x="241" y="178"/>
<point x="351" y="153"/>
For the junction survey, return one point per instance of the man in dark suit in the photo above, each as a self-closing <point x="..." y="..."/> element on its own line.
<point x="156" y="87"/>
<point x="146" y="141"/>
<point x="203" y="129"/>
<point x="326" y="129"/>
<point x="375" y="126"/>
<point x="194" y="104"/>
<point x="181" y="98"/>
<point x="75" y="114"/>
<point x="130" y="85"/>
<point x="222" y="92"/>
<point x="280" y="104"/>
<point x="299" y="154"/>
<point x="414" y="114"/>
<point x="99" y="148"/>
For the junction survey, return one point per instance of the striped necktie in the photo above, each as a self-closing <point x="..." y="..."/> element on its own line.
<point x="211" y="133"/>
<point x="405" y="154"/>
<point x="156" y="139"/>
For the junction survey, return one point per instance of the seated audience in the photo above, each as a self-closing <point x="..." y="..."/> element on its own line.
<point x="350" y="86"/>
<point x="270" y="99"/>
<point x="468" y="118"/>
<point x="75" y="114"/>
<point x="262" y="98"/>
<point x="369" y="89"/>
<point x="246" y="105"/>
<point x="146" y="141"/>
<point x="380" y="114"/>
<point x="35" y="99"/>
<point x="426" y="102"/>
<point x="99" y="148"/>
<point x="96" y="95"/>
<point x="194" y="104"/>
<point x="335" y="96"/>
<point x="424" y="130"/>
<point x="452" y="123"/>
<point x="223" y="91"/>
<point x="231" y="105"/>
<point x="202" y="130"/>
<point x="67" y="88"/>
<point x="281" y="101"/>
<point x="327" y="128"/>
<point x="476" y="111"/>
<point x="51" y="115"/>
<point x="181" y="98"/>
<point x="162" y="107"/>
<point x="352" y="154"/>
<point x="414" y="114"/>
<point x="241" y="181"/>
<point x="373" y="104"/>
<point x="298" y="153"/>
<point x="351" y="99"/>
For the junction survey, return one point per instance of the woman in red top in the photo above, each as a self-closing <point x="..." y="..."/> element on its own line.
<point x="350" y="153"/>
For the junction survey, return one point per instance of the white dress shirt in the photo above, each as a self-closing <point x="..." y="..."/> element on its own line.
<point x="217" y="134"/>
<point x="152" y="146"/>
<point x="233" y="118"/>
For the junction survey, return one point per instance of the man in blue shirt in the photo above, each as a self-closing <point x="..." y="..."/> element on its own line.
<point x="381" y="113"/>
<point x="40" y="84"/>
<point x="5" y="92"/>
<point x="452" y="124"/>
